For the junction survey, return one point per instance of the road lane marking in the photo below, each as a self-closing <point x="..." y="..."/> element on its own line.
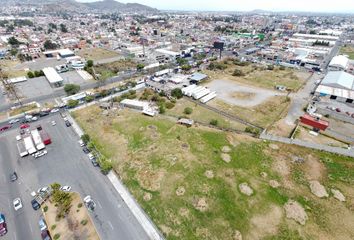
<point x="15" y="236"/>
<point x="31" y="228"/>
<point x="110" y="224"/>
<point x="99" y="204"/>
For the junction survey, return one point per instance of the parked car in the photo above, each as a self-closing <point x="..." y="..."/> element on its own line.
<point x="24" y="126"/>
<point x="34" y="118"/>
<point x="90" y="204"/>
<point x="40" y="154"/>
<point x="35" y="204"/>
<point x="42" y="114"/>
<point x="45" y="235"/>
<point x="43" y="190"/>
<point x="3" y="228"/>
<point x="5" y="128"/>
<point x="81" y="143"/>
<point x="18" y="137"/>
<point x="67" y="123"/>
<point x="338" y="110"/>
<point x="17" y="204"/>
<point x="86" y="150"/>
<point x="13" y="176"/>
<point x="54" y="110"/>
<point x="95" y="163"/>
<point x="65" y="188"/>
<point x="91" y="156"/>
<point x="53" y="123"/>
<point x="12" y="121"/>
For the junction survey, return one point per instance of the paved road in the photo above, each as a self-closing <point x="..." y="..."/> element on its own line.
<point x="65" y="163"/>
<point x="60" y="92"/>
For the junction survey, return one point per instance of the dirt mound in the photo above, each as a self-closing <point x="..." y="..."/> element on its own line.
<point x="237" y="235"/>
<point x="317" y="189"/>
<point x="226" y="157"/>
<point x="153" y="127"/>
<point x="274" y="183"/>
<point x="226" y="149"/>
<point x="184" y="212"/>
<point x="338" y="195"/>
<point x="209" y="174"/>
<point x="265" y="224"/>
<point x="274" y="146"/>
<point x="150" y="180"/>
<point x="180" y="191"/>
<point x="314" y="169"/>
<point x="264" y="174"/>
<point x="245" y="189"/>
<point x="201" y="204"/>
<point x="295" y="211"/>
<point x="147" y="196"/>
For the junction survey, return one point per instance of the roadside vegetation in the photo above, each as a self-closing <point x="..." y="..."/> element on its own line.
<point x="23" y="109"/>
<point x="348" y="50"/>
<point x="198" y="183"/>
<point x="96" y="53"/>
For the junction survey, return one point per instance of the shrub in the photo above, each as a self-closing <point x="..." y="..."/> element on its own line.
<point x="106" y="166"/>
<point x="282" y="68"/>
<point x="84" y="222"/>
<point x="73" y="103"/>
<point x="252" y="130"/>
<point x="238" y="73"/>
<point x="188" y="110"/>
<point x="45" y="208"/>
<point x="89" y="63"/>
<point x="85" y="138"/>
<point x="214" y="122"/>
<point x="56" y="236"/>
<point x="30" y="74"/>
<point x="162" y="109"/>
<point x="71" y="89"/>
<point x="270" y="67"/>
<point x="89" y="98"/>
<point x="53" y="227"/>
<point x="169" y="105"/>
<point x="79" y="205"/>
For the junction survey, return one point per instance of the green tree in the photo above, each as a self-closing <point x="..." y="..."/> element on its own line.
<point x="89" y="98"/>
<point x="188" y="110"/>
<point x="73" y="103"/>
<point x="186" y="67"/>
<point x="30" y="74"/>
<point x="182" y="61"/>
<point x="140" y="66"/>
<point x="89" y="63"/>
<point x="13" y="51"/>
<point x="71" y="89"/>
<point x="63" y="28"/>
<point x="105" y="165"/>
<point x="238" y="73"/>
<point x="162" y="109"/>
<point x="13" y="41"/>
<point x="48" y="44"/>
<point x="177" y="93"/>
<point x="85" y="138"/>
<point x="214" y="122"/>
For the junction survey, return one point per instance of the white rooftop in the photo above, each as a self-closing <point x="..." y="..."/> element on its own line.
<point x="339" y="61"/>
<point x="52" y="75"/>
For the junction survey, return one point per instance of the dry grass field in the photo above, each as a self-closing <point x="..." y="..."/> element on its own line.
<point x="200" y="183"/>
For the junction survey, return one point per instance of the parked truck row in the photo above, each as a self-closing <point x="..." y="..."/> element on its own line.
<point x="199" y="93"/>
<point x="32" y="141"/>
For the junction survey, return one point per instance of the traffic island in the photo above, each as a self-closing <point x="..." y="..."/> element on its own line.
<point x="74" y="224"/>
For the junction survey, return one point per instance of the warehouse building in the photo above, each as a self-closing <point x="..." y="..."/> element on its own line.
<point x="54" y="79"/>
<point x="338" y="63"/>
<point x="337" y="85"/>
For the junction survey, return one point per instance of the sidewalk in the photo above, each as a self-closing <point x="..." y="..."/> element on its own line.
<point x="148" y="226"/>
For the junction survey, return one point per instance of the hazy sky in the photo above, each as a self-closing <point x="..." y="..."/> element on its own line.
<point x="247" y="5"/>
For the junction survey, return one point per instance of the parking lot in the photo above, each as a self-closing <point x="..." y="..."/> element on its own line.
<point x="66" y="164"/>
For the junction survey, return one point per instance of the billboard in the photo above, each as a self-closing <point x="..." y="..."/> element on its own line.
<point x="219" y="45"/>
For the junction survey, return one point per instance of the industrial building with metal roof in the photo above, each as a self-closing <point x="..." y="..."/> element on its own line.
<point x="338" y="85"/>
<point x="54" y="79"/>
<point x="338" y="63"/>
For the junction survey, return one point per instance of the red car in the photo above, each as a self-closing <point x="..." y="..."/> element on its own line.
<point x="23" y="126"/>
<point x="5" y="128"/>
<point x="3" y="229"/>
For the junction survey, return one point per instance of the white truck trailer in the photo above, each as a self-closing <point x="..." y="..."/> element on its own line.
<point x="29" y="144"/>
<point x="37" y="140"/>
<point x="201" y="94"/>
<point x="208" y="97"/>
<point x="190" y="92"/>
<point x="22" y="149"/>
<point x="189" y="88"/>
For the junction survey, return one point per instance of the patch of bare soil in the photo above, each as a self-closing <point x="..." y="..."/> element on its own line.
<point x="313" y="168"/>
<point x="245" y="189"/>
<point x="201" y="204"/>
<point x="274" y="183"/>
<point x="232" y="139"/>
<point x="318" y="189"/>
<point x="226" y="157"/>
<point x="180" y="191"/>
<point x="274" y="146"/>
<point x="147" y="196"/>
<point x="295" y="211"/>
<point x="338" y="195"/>
<point x="209" y="174"/>
<point x="265" y="224"/>
<point x="165" y="229"/>
<point x="237" y="235"/>
<point x="264" y="175"/>
<point x="184" y="212"/>
<point x="149" y="179"/>
<point x="203" y="233"/>
<point x="243" y="95"/>
<point x="281" y="166"/>
<point x="226" y="149"/>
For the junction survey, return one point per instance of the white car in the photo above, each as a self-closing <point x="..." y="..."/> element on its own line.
<point x="65" y="188"/>
<point x="90" y="204"/>
<point x="17" y="204"/>
<point x="91" y="156"/>
<point x="53" y="123"/>
<point x="43" y="190"/>
<point x="14" y="121"/>
<point x="81" y="143"/>
<point x="34" y="119"/>
<point x="18" y="137"/>
<point x="54" y="110"/>
<point x="40" y="154"/>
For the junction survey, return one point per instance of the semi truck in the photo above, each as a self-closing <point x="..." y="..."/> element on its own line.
<point x="208" y="97"/>
<point x="45" y="137"/>
<point x="201" y="94"/>
<point x="22" y="149"/>
<point x="37" y="140"/>
<point x="29" y="144"/>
